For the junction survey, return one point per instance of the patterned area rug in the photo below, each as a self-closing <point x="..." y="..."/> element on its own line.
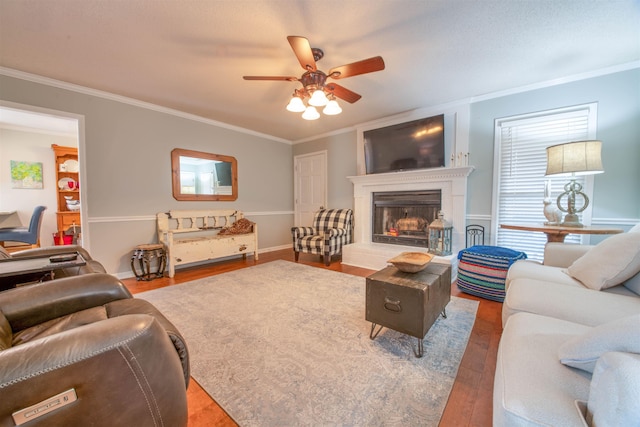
<point x="287" y="344"/>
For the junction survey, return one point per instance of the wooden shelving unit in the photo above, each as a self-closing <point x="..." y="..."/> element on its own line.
<point x="66" y="218"/>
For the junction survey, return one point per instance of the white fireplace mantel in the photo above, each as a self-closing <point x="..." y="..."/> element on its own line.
<point x="453" y="185"/>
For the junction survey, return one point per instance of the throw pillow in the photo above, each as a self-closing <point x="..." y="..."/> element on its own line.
<point x="583" y="351"/>
<point x="614" y="390"/>
<point x="635" y="228"/>
<point x="609" y="263"/>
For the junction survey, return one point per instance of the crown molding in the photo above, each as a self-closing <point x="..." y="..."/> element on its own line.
<point x="9" y="72"/>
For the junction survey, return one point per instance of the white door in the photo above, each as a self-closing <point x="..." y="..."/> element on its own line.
<point x="310" y="186"/>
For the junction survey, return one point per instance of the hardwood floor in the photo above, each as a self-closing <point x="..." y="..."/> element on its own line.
<point x="470" y="402"/>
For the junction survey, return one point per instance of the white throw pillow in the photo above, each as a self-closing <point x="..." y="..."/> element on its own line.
<point x="614" y="391"/>
<point x="609" y="263"/>
<point x="583" y="351"/>
<point x="635" y="228"/>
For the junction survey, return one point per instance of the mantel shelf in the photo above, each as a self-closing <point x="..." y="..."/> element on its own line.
<point x="432" y="174"/>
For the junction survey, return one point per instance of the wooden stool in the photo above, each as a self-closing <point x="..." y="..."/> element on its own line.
<point x="145" y="254"/>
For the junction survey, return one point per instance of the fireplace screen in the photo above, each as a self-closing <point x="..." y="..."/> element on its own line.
<point x="402" y="218"/>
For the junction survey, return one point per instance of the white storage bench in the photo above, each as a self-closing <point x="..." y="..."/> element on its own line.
<point x="194" y="235"/>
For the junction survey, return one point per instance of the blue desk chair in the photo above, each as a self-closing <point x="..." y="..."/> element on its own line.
<point x="30" y="235"/>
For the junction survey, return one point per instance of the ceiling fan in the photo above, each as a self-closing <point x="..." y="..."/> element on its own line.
<point x="314" y="81"/>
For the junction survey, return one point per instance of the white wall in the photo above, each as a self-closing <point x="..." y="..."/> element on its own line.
<point x="31" y="147"/>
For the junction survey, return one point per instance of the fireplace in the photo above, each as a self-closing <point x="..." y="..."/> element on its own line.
<point x="450" y="182"/>
<point x="402" y="217"/>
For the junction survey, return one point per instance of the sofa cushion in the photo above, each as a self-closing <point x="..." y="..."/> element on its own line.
<point x="60" y="324"/>
<point x="615" y="387"/>
<point x="633" y="284"/>
<point x="583" y="352"/>
<point x="534" y="270"/>
<point x="609" y="263"/>
<point x="532" y="387"/>
<point x="573" y="303"/>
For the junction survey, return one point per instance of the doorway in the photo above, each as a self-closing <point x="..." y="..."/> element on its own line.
<point x="22" y="124"/>
<point x="310" y="186"/>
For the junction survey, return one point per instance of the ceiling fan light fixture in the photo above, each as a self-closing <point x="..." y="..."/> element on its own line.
<point x="296" y="105"/>
<point x="332" y="108"/>
<point x="311" y="114"/>
<point x="318" y="98"/>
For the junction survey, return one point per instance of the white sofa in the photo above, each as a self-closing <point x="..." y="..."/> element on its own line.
<point x="569" y="354"/>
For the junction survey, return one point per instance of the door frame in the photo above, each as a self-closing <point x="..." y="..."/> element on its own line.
<point x="80" y="119"/>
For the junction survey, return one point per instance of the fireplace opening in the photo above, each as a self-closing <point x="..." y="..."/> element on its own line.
<point x="402" y="217"/>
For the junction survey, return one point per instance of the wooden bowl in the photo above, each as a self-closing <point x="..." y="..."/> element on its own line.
<point x="411" y="262"/>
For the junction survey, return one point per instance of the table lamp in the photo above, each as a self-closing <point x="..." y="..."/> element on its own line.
<point x="572" y="159"/>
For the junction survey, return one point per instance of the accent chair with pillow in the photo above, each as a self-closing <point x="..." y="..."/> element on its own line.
<point x="81" y="351"/>
<point x="569" y="353"/>
<point x="331" y="230"/>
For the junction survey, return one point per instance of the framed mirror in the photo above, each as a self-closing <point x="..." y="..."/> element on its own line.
<point x="197" y="175"/>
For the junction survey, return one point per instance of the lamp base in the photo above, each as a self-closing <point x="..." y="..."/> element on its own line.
<point x="571" y="220"/>
<point x="572" y="190"/>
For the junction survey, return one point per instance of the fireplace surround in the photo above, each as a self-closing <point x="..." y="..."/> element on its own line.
<point x="452" y="184"/>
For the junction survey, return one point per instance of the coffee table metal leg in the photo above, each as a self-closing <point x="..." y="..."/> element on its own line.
<point x="420" y="351"/>
<point x="371" y="334"/>
<point x="444" y="312"/>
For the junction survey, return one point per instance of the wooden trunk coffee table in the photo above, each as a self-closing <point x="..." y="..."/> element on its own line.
<point x="408" y="302"/>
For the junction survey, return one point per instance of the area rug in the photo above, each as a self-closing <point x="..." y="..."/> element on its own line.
<point x="284" y="344"/>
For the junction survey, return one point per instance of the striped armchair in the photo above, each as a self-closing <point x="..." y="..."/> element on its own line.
<point x="331" y="230"/>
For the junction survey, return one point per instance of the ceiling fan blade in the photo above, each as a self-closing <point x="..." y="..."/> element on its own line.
<point x="343" y="93"/>
<point x="283" y="78"/>
<point x="302" y="49"/>
<point x="361" y="67"/>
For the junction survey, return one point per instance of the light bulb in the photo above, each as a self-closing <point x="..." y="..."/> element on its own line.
<point x="332" y="108"/>
<point x="310" y="114"/>
<point x="318" y="99"/>
<point x="296" y="105"/>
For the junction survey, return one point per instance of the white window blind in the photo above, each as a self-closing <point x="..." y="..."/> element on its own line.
<point x="521" y="158"/>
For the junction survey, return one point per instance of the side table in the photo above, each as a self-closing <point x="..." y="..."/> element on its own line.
<point x="408" y="303"/>
<point x="144" y="255"/>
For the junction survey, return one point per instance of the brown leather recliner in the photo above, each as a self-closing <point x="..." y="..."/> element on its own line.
<point x="86" y="338"/>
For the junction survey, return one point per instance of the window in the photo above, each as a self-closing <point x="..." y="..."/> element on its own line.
<point x="519" y="176"/>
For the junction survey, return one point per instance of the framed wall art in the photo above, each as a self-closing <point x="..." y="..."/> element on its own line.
<point x="26" y="175"/>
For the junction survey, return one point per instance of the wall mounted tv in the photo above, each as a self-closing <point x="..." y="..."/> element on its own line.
<point x="418" y="144"/>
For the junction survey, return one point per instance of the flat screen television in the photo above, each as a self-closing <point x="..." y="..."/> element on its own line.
<point x="418" y="144"/>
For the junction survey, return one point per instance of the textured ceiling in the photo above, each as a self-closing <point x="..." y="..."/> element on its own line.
<point x="191" y="55"/>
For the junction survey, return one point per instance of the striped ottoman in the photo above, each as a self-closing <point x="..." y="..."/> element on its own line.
<point x="482" y="270"/>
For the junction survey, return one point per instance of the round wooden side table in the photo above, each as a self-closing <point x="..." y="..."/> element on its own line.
<point x="144" y="255"/>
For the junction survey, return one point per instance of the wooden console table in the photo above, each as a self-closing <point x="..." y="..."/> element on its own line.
<point x="557" y="233"/>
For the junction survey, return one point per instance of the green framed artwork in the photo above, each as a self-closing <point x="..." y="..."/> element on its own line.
<point x="26" y="175"/>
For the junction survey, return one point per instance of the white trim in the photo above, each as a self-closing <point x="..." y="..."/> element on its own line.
<point x="325" y="135"/>
<point x="108" y="219"/>
<point x="80" y="120"/>
<point x="616" y="221"/>
<point x="9" y="72"/>
<point x="358" y="127"/>
<point x="129" y="274"/>
<point x="555" y="82"/>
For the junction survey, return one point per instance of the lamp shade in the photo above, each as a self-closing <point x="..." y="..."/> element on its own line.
<point x="296" y="105"/>
<point x="310" y="113"/>
<point x="332" y="108"/>
<point x="318" y="98"/>
<point x="575" y="158"/>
